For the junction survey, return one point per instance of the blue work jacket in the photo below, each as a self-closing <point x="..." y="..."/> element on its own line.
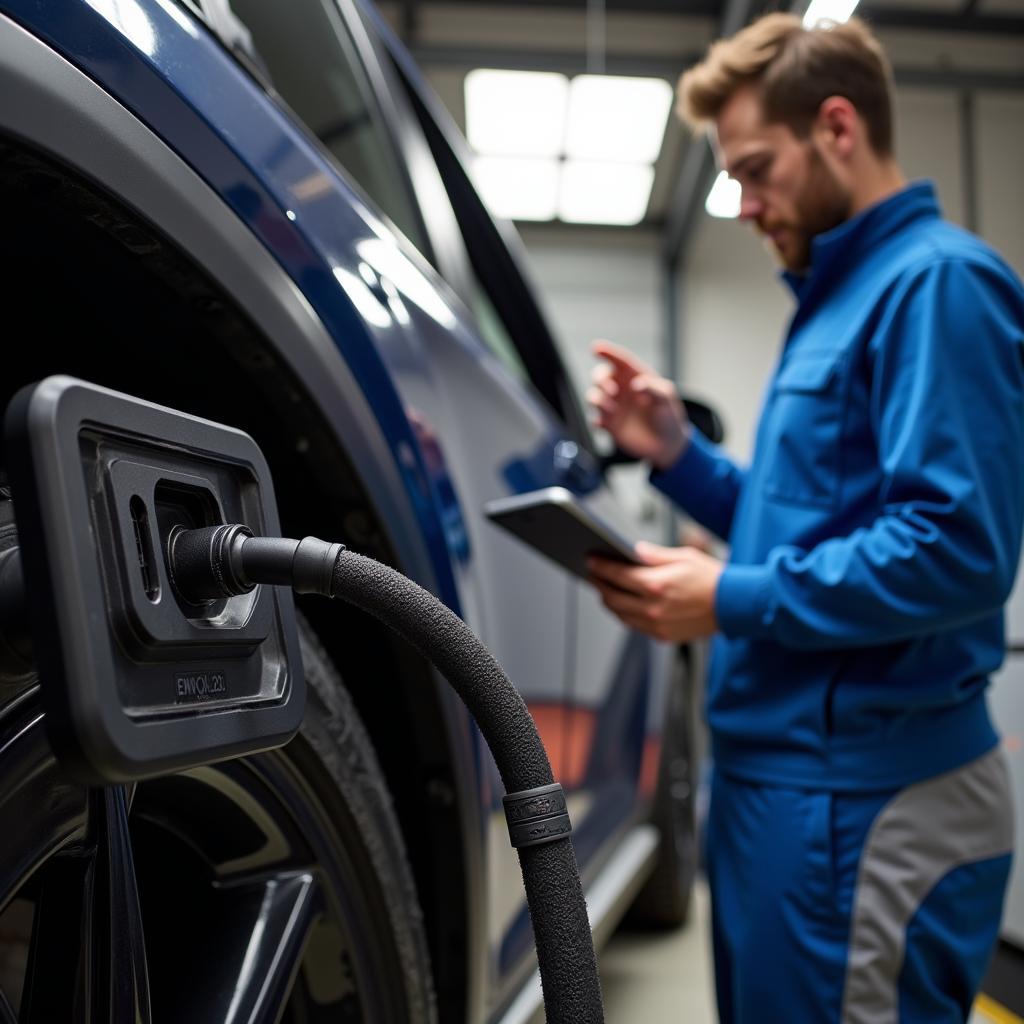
<point x="875" y="536"/>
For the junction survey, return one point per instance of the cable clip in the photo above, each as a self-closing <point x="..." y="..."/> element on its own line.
<point x="537" y="816"/>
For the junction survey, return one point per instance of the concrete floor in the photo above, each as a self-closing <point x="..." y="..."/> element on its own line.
<point x="661" y="978"/>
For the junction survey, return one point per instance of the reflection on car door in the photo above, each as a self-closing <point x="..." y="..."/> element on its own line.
<point x="616" y="676"/>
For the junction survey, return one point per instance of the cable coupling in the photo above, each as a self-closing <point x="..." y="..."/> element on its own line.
<point x="536" y="816"/>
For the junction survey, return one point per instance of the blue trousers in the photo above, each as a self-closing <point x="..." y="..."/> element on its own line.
<point x="857" y="908"/>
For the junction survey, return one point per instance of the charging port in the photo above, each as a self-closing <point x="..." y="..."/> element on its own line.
<point x="179" y="504"/>
<point x="137" y="682"/>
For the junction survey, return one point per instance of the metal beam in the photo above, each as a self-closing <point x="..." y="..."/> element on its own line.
<point x="691" y="186"/>
<point x="689" y="8"/>
<point x="696" y="174"/>
<point x="964" y="22"/>
<point x="956" y="78"/>
<point x="698" y="166"/>
<point x="968" y="156"/>
<point x="575" y="62"/>
<point x="410" y="22"/>
<point x="570" y="62"/>
<point x="967" y="20"/>
<point x="672" y="321"/>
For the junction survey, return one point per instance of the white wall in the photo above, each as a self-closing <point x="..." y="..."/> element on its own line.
<point x="1000" y="149"/>
<point x="734" y="312"/>
<point x="598" y="284"/>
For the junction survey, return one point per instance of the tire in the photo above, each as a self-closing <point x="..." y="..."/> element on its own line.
<point x="664" y="900"/>
<point x="269" y="888"/>
<point x="338" y="745"/>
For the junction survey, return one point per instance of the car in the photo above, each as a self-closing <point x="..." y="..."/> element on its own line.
<point x="258" y="213"/>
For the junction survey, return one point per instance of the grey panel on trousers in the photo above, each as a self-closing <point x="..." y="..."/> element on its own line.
<point x="922" y="834"/>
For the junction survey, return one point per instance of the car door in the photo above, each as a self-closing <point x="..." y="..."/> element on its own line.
<point x="617" y="678"/>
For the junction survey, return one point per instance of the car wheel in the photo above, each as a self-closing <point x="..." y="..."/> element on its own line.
<point x="664" y="900"/>
<point x="269" y="888"/>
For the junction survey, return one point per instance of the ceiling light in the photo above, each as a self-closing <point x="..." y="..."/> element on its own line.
<point x="829" y="10"/>
<point x="724" y="198"/>
<point x="518" y="189"/>
<point x="516" y="113"/>
<point x="617" y="118"/>
<point x="604" y="193"/>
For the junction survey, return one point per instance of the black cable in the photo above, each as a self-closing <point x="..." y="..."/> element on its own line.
<point x="225" y="560"/>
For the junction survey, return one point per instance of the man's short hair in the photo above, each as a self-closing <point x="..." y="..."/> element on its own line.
<point x="795" y="69"/>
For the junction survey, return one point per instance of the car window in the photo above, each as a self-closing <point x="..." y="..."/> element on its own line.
<point x="499" y="293"/>
<point x="488" y="276"/>
<point x="314" y="67"/>
<point x="493" y="331"/>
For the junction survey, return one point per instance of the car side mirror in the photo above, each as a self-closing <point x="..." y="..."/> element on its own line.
<point x="705" y="419"/>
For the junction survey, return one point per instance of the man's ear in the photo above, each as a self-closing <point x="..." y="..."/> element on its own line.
<point x="838" y="126"/>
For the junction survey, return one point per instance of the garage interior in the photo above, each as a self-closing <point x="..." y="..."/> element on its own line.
<point x="668" y="271"/>
<point x="695" y="295"/>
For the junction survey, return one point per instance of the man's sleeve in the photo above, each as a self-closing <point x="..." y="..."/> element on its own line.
<point x="947" y="408"/>
<point x="705" y="483"/>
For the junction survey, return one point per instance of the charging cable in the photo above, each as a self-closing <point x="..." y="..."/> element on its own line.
<point x="223" y="561"/>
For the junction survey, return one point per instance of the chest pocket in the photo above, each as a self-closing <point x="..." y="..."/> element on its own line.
<point x="801" y="446"/>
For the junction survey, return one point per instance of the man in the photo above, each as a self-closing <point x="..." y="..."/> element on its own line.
<point x="860" y="824"/>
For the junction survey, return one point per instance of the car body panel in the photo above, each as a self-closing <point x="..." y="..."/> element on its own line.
<point x="419" y="374"/>
<point x="612" y="714"/>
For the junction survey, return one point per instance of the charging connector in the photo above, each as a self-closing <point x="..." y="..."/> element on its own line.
<point x="225" y="561"/>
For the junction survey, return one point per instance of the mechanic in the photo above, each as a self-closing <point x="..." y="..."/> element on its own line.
<point x="860" y="828"/>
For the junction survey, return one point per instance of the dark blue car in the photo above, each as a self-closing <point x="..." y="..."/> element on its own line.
<point x="259" y="214"/>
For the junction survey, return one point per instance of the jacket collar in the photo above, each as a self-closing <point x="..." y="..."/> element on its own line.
<point x="834" y="252"/>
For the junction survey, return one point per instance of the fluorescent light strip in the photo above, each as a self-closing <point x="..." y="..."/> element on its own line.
<point x="611" y="128"/>
<point x="617" y="118"/>
<point x="604" y="193"/>
<point x="517" y="188"/>
<point x="836" y="11"/>
<point x="516" y="113"/>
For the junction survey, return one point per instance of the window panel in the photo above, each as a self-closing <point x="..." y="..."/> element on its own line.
<point x="316" y="70"/>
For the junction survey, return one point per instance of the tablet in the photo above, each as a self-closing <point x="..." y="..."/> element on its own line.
<point x="553" y="522"/>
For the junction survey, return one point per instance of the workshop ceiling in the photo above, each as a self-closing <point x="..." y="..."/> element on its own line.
<point x="950" y="44"/>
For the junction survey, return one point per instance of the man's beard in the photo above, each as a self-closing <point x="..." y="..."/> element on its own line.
<point x="822" y="205"/>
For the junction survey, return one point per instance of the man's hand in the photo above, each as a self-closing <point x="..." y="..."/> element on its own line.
<point x="641" y="410"/>
<point x="671" y="598"/>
